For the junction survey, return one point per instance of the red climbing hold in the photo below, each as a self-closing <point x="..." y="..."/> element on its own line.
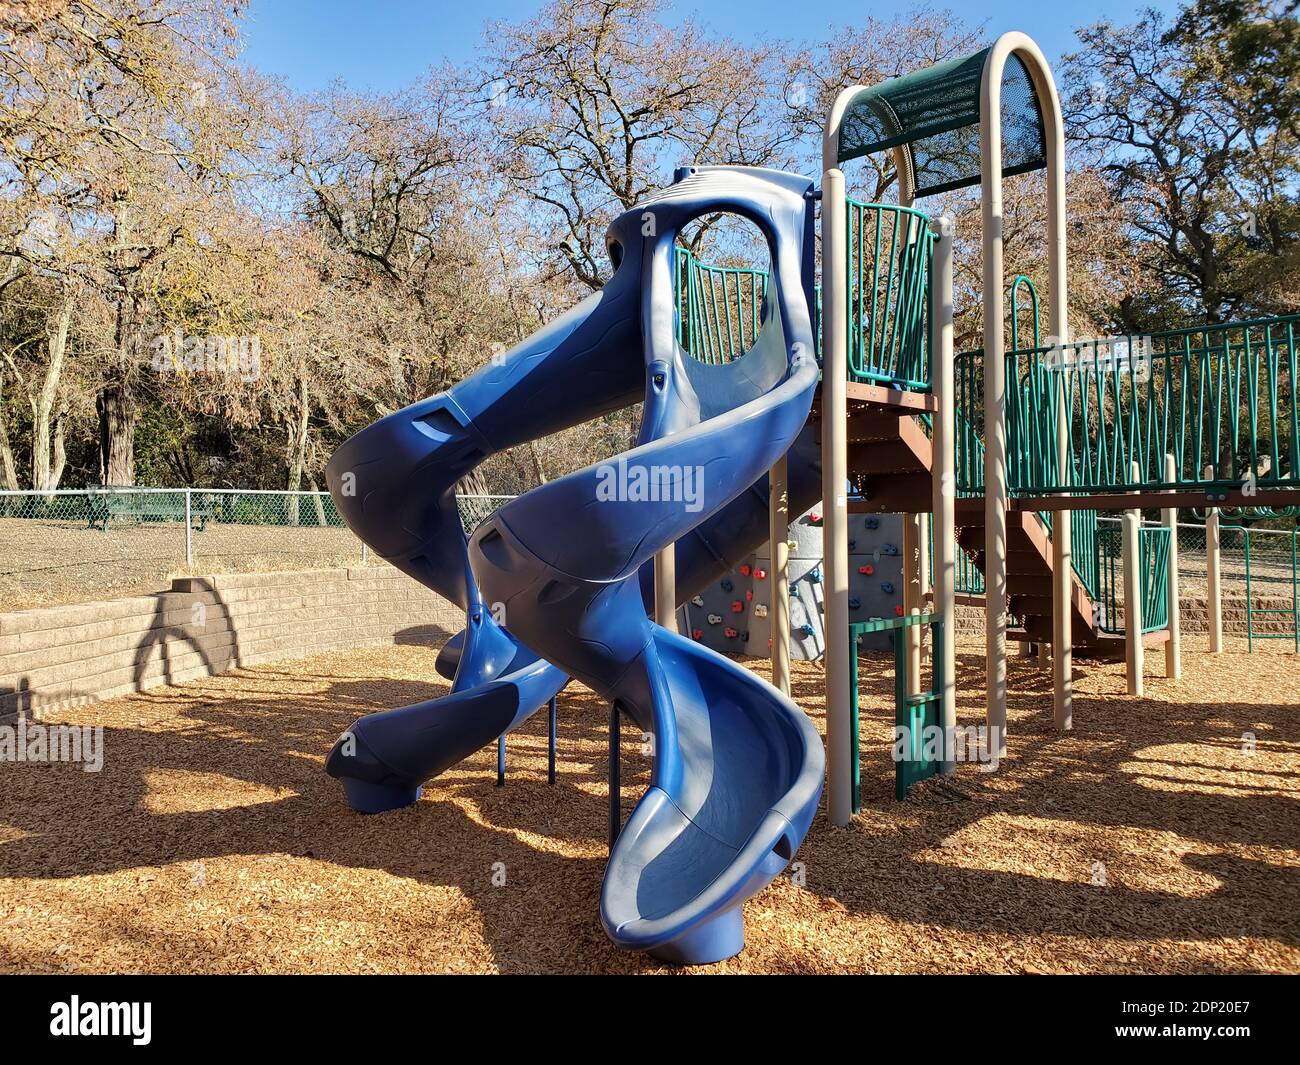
<point x="744" y="570"/>
<point x="760" y="574"/>
<point x="730" y="633"/>
<point x="867" y="570"/>
<point x="737" y="607"/>
<point x="814" y="518"/>
<point x="697" y="634"/>
<point x="749" y="596"/>
<point x="898" y="610"/>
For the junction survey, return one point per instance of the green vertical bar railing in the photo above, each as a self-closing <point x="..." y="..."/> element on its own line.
<point x="1154" y="543"/>
<point x="1219" y="395"/>
<point x="914" y="715"/>
<point x="719" y="309"/>
<point x="889" y="250"/>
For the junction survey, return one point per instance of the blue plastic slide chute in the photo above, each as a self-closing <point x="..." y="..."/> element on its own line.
<point x="738" y="767"/>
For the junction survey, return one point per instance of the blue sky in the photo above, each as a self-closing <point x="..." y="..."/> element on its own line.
<point x="382" y="45"/>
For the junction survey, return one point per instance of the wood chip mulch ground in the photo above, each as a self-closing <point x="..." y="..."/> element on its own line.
<point x="1160" y="836"/>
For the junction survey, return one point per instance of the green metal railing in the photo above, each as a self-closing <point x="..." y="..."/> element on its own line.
<point x="1255" y="614"/>
<point x="889" y="253"/>
<point x="1153" y="566"/>
<point x="1220" y="396"/>
<point x="1018" y="282"/>
<point x="720" y="309"/>
<point x="915" y="716"/>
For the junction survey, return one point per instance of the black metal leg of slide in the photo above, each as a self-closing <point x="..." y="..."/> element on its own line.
<point x="615" y="788"/>
<point x="550" y="751"/>
<point x="501" y="761"/>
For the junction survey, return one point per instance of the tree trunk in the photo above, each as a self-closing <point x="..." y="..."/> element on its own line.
<point x="60" y="452"/>
<point x="115" y="406"/>
<point x="7" y="467"/>
<point x="43" y="404"/>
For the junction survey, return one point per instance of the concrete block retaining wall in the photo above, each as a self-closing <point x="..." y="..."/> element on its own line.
<point x="53" y="656"/>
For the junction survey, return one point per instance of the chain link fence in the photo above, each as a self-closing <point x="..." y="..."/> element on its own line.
<point x="1258" y="577"/>
<point x="80" y="545"/>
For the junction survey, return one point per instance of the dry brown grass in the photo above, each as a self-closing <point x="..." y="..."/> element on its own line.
<point x="1146" y="841"/>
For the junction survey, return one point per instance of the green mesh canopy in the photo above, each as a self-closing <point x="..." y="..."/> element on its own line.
<point x="936" y="114"/>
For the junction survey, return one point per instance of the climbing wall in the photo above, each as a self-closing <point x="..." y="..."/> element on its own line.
<point x="732" y="615"/>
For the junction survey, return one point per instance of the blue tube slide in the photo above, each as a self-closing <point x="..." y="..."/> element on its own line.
<point x="738" y="767"/>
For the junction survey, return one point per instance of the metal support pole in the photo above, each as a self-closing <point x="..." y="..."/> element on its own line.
<point x="189" y="533"/>
<point x="835" y="525"/>
<point x="1173" y="649"/>
<point x="666" y="588"/>
<point x="615" y="786"/>
<point x="1132" y="552"/>
<point x="778" y="530"/>
<point x="501" y="760"/>
<point x="943" y="500"/>
<point x="995" y="434"/>
<point x="552" y="717"/>
<point x="1213" y="576"/>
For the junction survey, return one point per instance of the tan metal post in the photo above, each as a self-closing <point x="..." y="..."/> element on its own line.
<point x="1173" y="649"/>
<point x="1132" y="554"/>
<point x="944" y="478"/>
<point x="666" y="588"/>
<point x="835" y="529"/>
<point x="778" y="529"/>
<point x="995" y="458"/>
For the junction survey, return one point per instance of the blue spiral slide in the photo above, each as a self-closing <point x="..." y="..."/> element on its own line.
<point x="556" y="583"/>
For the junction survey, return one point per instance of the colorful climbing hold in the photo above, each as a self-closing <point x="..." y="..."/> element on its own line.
<point x="744" y="570"/>
<point x="730" y="633"/>
<point x="697" y="634"/>
<point x="737" y="607"/>
<point x="760" y="611"/>
<point x="749" y="595"/>
<point x="760" y="574"/>
<point x="898" y="610"/>
<point x="697" y="600"/>
<point x="715" y="619"/>
<point x="867" y="570"/>
<point x="887" y="587"/>
<point x="727" y="585"/>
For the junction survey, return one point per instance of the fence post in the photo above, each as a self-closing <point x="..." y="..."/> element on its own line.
<point x="1131" y="552"/>
<point x="1173" y="649"/>
<point x="189" y="533"/>
<point x="1213" y="581"/>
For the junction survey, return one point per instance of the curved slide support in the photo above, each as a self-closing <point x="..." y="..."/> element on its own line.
<point x="738" y="767"/>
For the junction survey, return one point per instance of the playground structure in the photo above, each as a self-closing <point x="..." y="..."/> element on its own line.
<point x="999" y="462"/>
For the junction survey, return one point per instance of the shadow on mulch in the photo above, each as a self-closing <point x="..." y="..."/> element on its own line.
<point x="247" y="726"/>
